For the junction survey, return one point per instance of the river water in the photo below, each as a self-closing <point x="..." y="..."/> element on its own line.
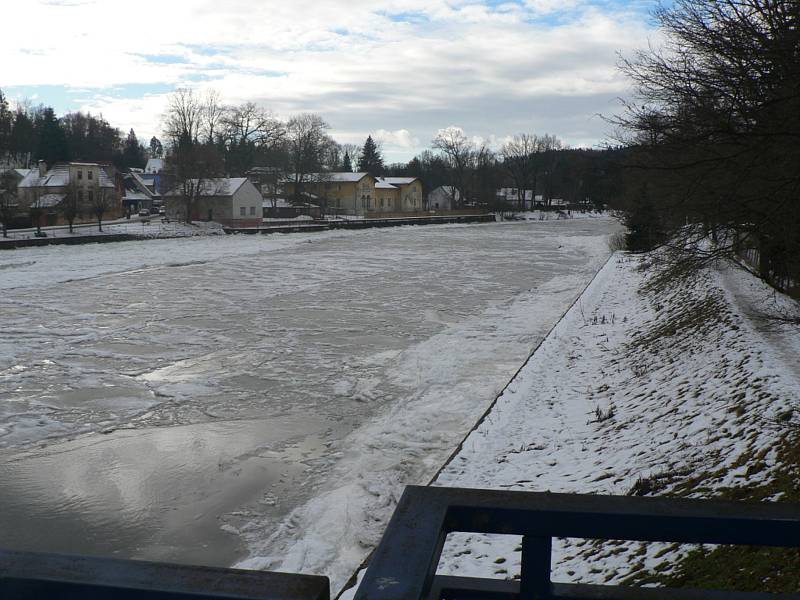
<point x="225" y="400"/>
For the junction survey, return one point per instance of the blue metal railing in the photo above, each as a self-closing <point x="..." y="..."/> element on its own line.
<point x="39" y="576"/>
<point x="403" y="566"/>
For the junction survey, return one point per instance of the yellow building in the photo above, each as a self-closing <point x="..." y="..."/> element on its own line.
<point x="358" y="193"/>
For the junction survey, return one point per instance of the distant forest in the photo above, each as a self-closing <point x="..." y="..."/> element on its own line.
<point x="31" y="133"/>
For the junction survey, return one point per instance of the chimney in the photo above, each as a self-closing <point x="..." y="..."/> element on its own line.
<point x="42" y="168"/>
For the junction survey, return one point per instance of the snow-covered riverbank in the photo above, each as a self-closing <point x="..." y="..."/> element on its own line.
<point x="678" y="391"/>
<point x="685" y="391"/>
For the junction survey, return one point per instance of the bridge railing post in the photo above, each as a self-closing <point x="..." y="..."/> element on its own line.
<point x="535" y="569"/>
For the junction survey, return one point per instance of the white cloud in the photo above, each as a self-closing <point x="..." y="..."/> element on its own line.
<point x="400" y="138"/>
<point x="495" y="70"/>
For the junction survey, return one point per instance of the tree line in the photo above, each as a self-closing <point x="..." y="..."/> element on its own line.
<point x="712" y="159"/>
<point x="30" y="133"/>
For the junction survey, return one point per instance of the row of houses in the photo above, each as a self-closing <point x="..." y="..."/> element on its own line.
<point x="237" y="201"/>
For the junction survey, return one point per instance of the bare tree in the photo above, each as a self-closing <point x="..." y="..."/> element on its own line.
<point x="250" y="131"/>
<point x="72" y="204"/>
<point x="715" y="125"/>
<point x="184" y="117"/>
<point x="190" y="163"/>
<point x="212" y="116"/>
<point x="188" y="173"/>
<point x="100" y="200"/>
<point x="549" y="147"/>
<point x="458" y="151"/>
<point x="307" y="143"/>
<point x="36" y="209"/>
<point x="520" y="156"/>
<point x="249" y="123"/>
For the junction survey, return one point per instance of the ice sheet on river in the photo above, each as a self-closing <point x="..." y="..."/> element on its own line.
<point x="394" y="340"/>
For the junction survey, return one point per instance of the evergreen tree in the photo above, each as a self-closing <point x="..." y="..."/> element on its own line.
<point x="370" y="160"/>
<point x="6" y="121"/>
<point x="51" y="143"/>
<point x="23" y="137"/>
<point x="346" y="164"/>
<point x="132" y="152"/>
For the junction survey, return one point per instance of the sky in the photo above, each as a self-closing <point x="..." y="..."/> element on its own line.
<point x="399" y="70"/>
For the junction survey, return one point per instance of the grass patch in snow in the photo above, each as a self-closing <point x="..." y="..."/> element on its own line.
<point x="743" y="568"/>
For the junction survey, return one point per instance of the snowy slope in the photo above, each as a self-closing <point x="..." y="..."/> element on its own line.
<point x="672" y="393"/>
<point x="684" y="391"/>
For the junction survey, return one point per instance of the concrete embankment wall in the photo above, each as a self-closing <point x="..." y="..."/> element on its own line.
<point x="363" y="223"/>
<point x="10" y="244"/>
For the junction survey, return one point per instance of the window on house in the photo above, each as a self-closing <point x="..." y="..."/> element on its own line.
<point x="252" y="211"/>
<point x="80" y="174"/>
<point x="339" y="186"/>
<point x="80" y="195"/>
<point x="89" y="174"/>
<point x="91" y="196"/>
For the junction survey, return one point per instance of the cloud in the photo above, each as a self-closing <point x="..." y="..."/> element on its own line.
<point x="400" y="67"/>
<point x="400" y="138"/>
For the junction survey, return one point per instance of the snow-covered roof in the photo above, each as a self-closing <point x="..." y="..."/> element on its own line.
<point x="338" y="177"/>
<point x="48" y="200"/>
<point x="58" y="176"/>
<point x="383" y="185"/>
<point x="399" y="180"/>
<point x="220" y="186"/>
<point x="154" y="165"/>
<point x="135" y="188"/>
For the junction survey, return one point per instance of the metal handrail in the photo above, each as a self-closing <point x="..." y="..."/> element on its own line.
<point x="403" y="566"/>
<point x="35" y="576"/>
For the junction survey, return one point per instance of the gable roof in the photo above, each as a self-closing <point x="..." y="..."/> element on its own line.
<point x="399" y="180"/>
<point x="335" y="177"/>
<point x="135" y="188"/>
<point x="384" y="185"/>
<point x="217" y="187"/>
<point x="58" y="176"/>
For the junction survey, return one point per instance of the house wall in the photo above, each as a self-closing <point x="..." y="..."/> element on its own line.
<point x="348" y="197"/>
<point x="247" y="200"/>
<point x="387" y="200"/>
<point x="411" y="197"/>
<point x="339" y="194"/>
<point x="440" y="199"/>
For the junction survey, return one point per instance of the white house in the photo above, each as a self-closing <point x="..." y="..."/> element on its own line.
<point x="444" y="197"/>
<point x="235" y="202"/>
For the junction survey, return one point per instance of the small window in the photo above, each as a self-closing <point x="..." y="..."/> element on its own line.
<point x="80" y="174"/>
<point x="91" y="196"/>
<point x="242" y="211"/>
<point x="252" y="211"/>
<point x="89" y="175"/>
<point x="80" y="195"/>
<point x="339" y="186"/>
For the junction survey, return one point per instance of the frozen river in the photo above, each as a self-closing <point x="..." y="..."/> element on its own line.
<point x="260" y="401"/>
